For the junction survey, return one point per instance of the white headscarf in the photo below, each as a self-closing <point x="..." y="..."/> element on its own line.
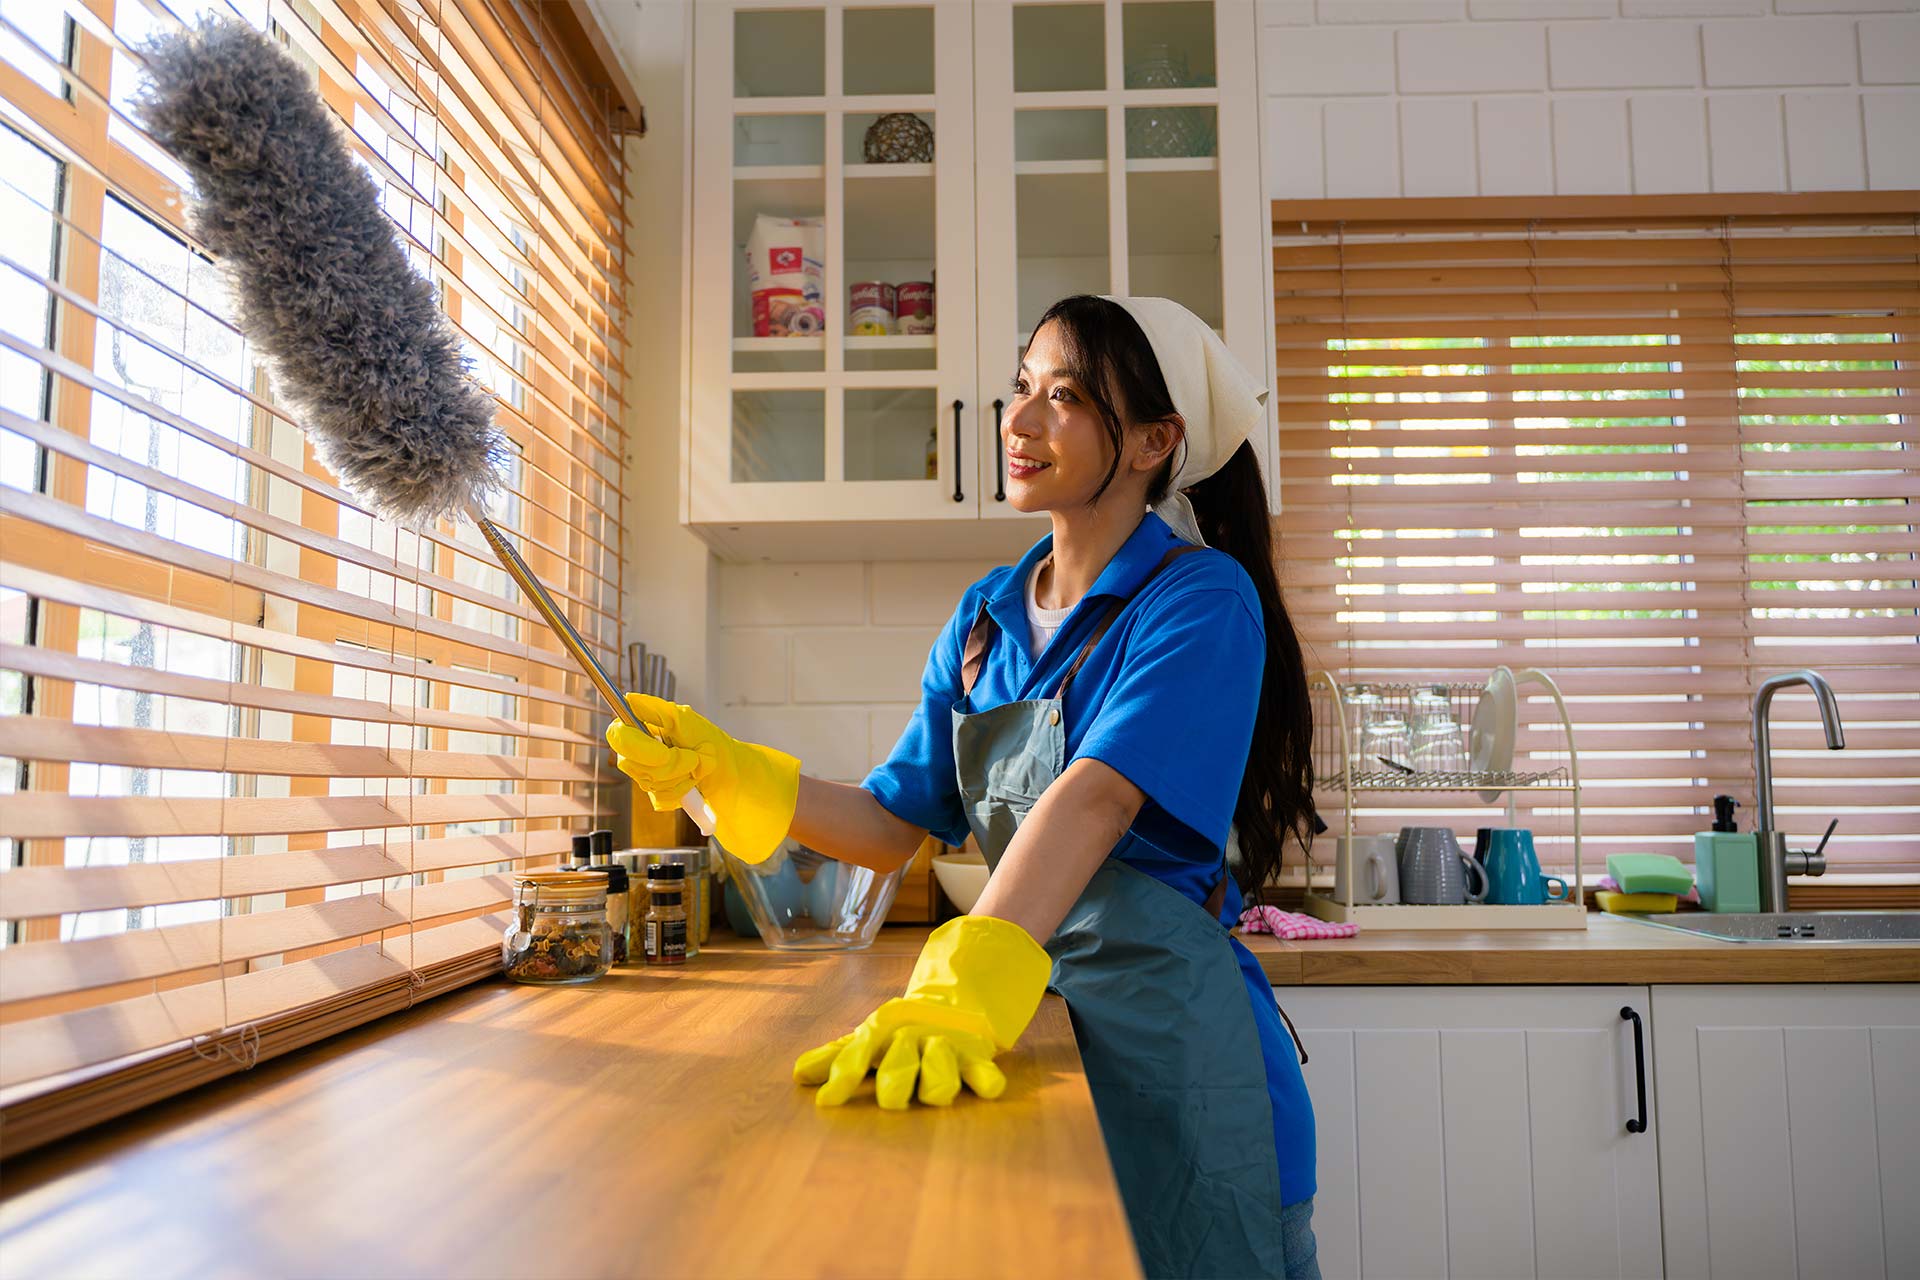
<point x="1219" y="400"/>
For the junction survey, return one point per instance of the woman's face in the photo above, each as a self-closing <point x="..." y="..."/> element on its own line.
<point x="1056" y="450"/>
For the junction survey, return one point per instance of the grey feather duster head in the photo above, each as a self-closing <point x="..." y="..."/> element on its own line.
<point x="356" y="345"/>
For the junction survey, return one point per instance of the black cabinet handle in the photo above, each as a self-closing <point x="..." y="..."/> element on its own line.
<point x="999" y="455"/>
<point x="959" y="494"/>
<point x="1638" y="1125"/>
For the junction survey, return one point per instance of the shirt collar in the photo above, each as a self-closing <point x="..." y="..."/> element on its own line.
<point x="1137" y="557"/>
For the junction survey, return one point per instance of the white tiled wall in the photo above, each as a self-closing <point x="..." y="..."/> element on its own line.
<point x="824" y="660"/>
<point x="1587" y="97"/>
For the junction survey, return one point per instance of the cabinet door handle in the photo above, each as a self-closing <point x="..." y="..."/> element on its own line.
<point x="1639" y="1124"/>
<point x="959" y="495"/>
<point x="999" y="455"/>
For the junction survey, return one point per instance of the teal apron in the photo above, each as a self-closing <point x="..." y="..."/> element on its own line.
<point x="1159" y="1007"/>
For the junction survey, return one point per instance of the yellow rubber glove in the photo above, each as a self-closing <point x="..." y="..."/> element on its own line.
<point x="974" y="990"/>
<point x="751" y="789"/>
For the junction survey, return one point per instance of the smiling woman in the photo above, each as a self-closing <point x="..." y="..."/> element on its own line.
<point x="1130" y="776"/>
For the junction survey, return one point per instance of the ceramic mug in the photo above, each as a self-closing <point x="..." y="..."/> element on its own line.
<point x="1513" y="870"/>
<point x="1375" y="865"/>
<point x="1434" y="871"/>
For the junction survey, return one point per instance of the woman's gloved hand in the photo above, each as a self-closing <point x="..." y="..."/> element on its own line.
<point x="750" y="788"/>
<point x="974" y="990"/>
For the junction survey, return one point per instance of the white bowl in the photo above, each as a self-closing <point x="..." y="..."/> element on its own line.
<point x="962" y="877"/>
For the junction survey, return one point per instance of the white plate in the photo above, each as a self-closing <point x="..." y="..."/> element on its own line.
<point x="1495" y="718"/>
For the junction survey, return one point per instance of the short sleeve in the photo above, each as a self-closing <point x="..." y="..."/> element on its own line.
<point x="917" y="783"/>
<point x="1177" y="719"/>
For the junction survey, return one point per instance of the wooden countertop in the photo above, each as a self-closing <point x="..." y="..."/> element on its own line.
<point x="1608" y="950"/>
<point x="644" y="1124"/>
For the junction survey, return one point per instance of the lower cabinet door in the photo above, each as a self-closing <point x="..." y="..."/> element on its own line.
<point x="1481" y="1131"/>
<point x="1790" y="1130"/>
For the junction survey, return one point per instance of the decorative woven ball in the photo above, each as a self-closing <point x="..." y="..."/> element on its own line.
<point x="898" y="138"/>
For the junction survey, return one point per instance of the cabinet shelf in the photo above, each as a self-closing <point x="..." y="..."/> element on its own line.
<point x="779" y="172"/>
<point x="1156" y="164"/>
<point x="894" y="171"/>
<point x="865" y="342"/>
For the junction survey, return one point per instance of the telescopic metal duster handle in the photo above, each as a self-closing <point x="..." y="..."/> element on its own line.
<point x="694" y="804"/>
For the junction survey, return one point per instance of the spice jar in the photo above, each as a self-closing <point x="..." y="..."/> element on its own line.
<point x="619" y="907"/>
<point x="559" y="930"/>
<point x="666" y="914"/>
<point x="698" y="888"/>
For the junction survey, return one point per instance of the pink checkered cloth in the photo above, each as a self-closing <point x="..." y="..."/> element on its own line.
<point x="1291" y="924"/>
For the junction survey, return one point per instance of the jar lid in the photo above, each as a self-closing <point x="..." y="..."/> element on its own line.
<point x="691" y="856"/>
<point x="666" y="871"/>
<point x="562" y="886"/>
<point x="616" y="874"/>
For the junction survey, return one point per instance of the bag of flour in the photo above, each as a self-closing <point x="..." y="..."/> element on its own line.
<point x="786" y="272"/>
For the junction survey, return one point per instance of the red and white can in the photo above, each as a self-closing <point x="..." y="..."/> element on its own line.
<point x="913" y="307"/>
<point x="870" y="307"/>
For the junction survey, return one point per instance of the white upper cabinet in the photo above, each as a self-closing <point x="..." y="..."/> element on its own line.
<point x="1103" y="147"/>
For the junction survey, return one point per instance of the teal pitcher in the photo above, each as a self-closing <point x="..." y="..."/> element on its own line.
<point x="1513" y="870"/>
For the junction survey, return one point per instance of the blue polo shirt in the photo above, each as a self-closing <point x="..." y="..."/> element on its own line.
<point x="1167" y="699"/>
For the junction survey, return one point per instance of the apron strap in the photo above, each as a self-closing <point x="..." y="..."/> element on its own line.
<point x="1218" y="898"/>
<point x="979" y="640"/>
<point x="981" y="635"/>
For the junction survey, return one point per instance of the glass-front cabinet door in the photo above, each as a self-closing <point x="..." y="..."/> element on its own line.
<point x="1115" y="115"/>
<point x="833" y="291"/>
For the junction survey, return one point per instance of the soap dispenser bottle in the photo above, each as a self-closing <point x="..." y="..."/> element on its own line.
<point x="1726" y="862"/>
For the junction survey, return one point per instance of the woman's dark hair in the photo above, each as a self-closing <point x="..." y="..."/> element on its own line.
<point x="1109" y="355"/>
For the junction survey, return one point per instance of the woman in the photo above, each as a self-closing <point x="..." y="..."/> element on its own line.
<point x="1109" y="718"/>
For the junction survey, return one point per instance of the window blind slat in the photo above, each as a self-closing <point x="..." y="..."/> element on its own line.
<point x="28" y="892"/>
<point x="36" y="970"/>
<point x="47" y="586"/>
<point x="58" y="365"/>
<point x="66" y="518"/>
<point x="70" y="445"/>
<point x="33" y="738"/>
<point x="59" y="817"/>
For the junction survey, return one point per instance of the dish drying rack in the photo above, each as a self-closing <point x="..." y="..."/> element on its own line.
<point x="1335" y="732"/>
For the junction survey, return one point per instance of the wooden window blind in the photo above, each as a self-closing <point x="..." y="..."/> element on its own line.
<point x="267" y="757"/>
<point x="1658" y="447"/>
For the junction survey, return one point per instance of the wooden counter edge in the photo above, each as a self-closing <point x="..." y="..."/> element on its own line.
<point x="1442" y="960"/>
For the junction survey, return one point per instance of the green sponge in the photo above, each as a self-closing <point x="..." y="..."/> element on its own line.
<point x="1649" y="873"/>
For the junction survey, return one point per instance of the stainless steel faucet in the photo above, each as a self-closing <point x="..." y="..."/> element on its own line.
<point x="1777" y="862"/>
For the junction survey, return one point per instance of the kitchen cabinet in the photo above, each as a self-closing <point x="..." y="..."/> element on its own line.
<point x="1790" y="1130"/>
<point x="1105" y="147"/>
<point x="1480" y="1132"/>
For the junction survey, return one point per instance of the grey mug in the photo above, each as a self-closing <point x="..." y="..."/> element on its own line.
<point x="1434" y="870"/>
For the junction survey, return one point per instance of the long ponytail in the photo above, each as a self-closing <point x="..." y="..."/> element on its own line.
<point x="1114" y="362"/>
<point x="1276" y="793"/>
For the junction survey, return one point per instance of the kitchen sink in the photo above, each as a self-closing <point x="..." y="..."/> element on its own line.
<point x="1792" y="926"/>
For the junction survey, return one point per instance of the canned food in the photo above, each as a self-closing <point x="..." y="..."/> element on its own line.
<point x="913" y="304"/>
<point x="871" y="306"/>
